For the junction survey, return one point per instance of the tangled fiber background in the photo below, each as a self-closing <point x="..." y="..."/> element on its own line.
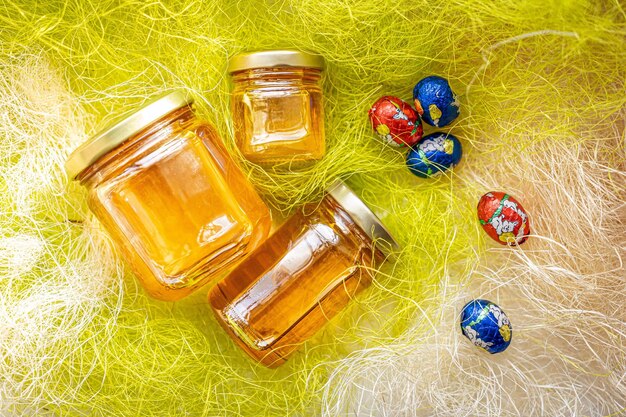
<point x="543" y="100"/>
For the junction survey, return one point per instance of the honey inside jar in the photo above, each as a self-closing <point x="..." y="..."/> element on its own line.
<point x="176" y="204"/>
<point x="277" y="108"/>
<point x="298" y="279"/>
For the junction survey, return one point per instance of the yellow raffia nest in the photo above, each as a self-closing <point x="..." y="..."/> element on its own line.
<point x="541" y="84"/>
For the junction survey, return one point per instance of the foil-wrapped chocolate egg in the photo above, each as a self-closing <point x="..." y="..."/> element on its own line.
<point x="435" y="101"/>
<point x="434" y="154"/>
<point x="486" y="325"/>
<point x="395" y="121"/>
<point x="503" y="218"/>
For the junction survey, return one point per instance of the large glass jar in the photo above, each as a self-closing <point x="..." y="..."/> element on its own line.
<point x="277" y="107"/>
<point x="165" y="188"/>
<point x="301" y="276"/>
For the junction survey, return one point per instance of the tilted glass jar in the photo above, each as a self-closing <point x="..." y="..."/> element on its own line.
<point x="165" y="188"/>
<point x="301" y="276"/>
<point x="277" y="107"/>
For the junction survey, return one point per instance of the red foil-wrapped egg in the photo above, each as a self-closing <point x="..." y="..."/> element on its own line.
<point x="503" y="218"/>
<point x="396" y="122"/>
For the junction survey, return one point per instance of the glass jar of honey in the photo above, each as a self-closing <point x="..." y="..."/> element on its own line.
<point x="165" y="188"/>
<point x="277" y="107"/>
<point x="301" y="276"/>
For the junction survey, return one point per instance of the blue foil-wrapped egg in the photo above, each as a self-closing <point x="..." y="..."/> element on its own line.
<point x="486" y="326"/>
<point x="435" y="101"/>
<point x="434" y="154"/>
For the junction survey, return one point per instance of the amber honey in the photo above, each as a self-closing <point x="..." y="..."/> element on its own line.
<point x="177" y="205"/>
<point x="298" y="279"/>
<point x="277" y="108"/>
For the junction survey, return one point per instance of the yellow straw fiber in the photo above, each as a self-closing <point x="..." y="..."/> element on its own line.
<point x="541" y="86"/>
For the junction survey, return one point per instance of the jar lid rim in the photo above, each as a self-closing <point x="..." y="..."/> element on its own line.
<point x="118" y="132"/>
<point x="275" y="58"/>
<point x="364" y="217"/>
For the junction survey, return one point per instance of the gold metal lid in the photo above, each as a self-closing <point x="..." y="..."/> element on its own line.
<point x="363" y="217"/>
<point x="111" y="137"/>
<point x="265" y="59"/>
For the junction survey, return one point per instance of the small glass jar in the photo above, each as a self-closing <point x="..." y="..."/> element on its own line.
<point x="277" y="107"/>
<point x="164" y="187"/>
<point x="301" y="276"/>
